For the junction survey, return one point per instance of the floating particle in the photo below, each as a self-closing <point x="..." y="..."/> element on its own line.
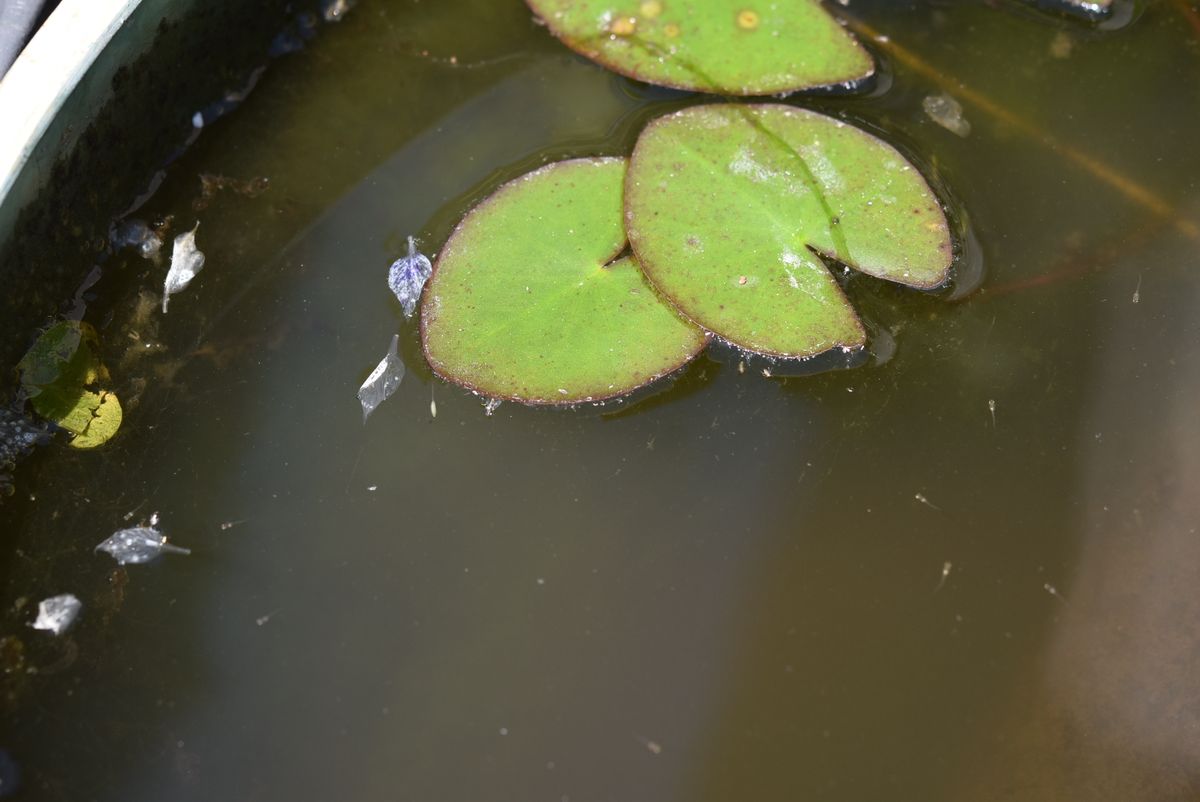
<point x="407" y="277"/>
<point x="136" y="234"/>
<point x="947" y="112"/>
<point x="747" y="20"/>
<point x="186" y="262"/>
<point x="383" y="381"/>
<point x="137" y="545"/>
<point x="57" y="613"/>
<point x="334" y="10"/>
<point x="490" y="405"/>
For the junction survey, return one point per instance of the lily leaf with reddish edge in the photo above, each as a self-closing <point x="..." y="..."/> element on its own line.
<point x="732" y="47"/>
<point x="729" y="206"/>
<point x="531" y="301"/>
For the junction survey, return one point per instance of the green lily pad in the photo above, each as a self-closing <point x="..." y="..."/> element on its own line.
<point x="728" y="206"/>
<point x="56" y="373"/>
<point x="529" y="302"/>
<point x="735" y="47"/>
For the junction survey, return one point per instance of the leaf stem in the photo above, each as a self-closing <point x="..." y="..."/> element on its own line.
<point x="1130" y="188"/>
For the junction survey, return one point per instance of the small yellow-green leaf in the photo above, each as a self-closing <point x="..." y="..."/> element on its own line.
<point x="56" y="373"/>
<point x="106" y="419"/>
<point x="727" y="207"/>
<point x="736" y="47"/>
<point x="527" y="303"/>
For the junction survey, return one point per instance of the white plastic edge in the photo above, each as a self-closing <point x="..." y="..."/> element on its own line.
<point x="47" y="71"/>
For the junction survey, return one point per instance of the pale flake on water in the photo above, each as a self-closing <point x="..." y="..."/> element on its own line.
<point x="383" y="381"/>
<point x="57" y="613"/>
<point x="947" y="112"/>
<point x="490" y="405"/>
<point x="186" y="261"/>
<point x="407" y="277"/>
<point x="139" y="544"/>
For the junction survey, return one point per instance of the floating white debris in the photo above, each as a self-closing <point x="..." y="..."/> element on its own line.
<point x="334" y="10"/>
<point x="947" y="112"/>
<point x="57" y="613"/>
<point x="186" y="262"/>
<point x="383" y="381"/>
<point x="136" y="234"/>
<point x="140" y="544"/>
<point x="490" y="405"/>
<point x="407" y="277"/>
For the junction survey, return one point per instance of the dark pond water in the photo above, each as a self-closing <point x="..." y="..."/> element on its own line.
<point x="966" y="572"/>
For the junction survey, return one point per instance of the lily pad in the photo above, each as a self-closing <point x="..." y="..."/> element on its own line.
<point x="730" y="207"/>
<point x="56" y="374"/>
<point x="735" y="47"/>
<point x="529" y="301"/>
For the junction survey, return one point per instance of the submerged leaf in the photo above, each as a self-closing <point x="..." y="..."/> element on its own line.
<point x="57" y="613"/>
<point x="139" y="544"/>
<point x="407" y="277"/>
<point x="728" y="207"/>
<point x="383" y="381"/>
<point x="186" y="262"/>
<point x="56" y="374"/>
<point x="736" y="47"/>
<point x="529" y="300"/>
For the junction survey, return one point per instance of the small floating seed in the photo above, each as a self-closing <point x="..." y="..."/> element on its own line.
<point x="747" y="20"/>
<point x="651" y="8"/>
<point x="671" y="30"/>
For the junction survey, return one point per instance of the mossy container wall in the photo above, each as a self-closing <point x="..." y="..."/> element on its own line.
<point x="129" y="113"/>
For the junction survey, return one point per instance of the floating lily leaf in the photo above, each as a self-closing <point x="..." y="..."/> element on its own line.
<point x="407" y="277"/>
<point x="186" y="262"/>
<point x="106" y="418"/>
<point x="735" y="47"/>
<point x="383" y="381"/>
<point x="56" y="374"/>
<point x="528" y="300"/>
<point x="727" y="206"/>
<point x="138" y="544"/>
<point x="57" y="613"/>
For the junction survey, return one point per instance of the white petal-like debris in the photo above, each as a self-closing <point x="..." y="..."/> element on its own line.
<point x="57" y="613"/>
<point x="407" y="277"/>
<point x="383" y="381"/>
<point x="140" y="544"/>
<point x="186" y="262"/>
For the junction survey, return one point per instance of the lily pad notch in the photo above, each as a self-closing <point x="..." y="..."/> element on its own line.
<point x="730" y="47"/>
<point x="727" y="207"/>
<point x="533" y="300"/>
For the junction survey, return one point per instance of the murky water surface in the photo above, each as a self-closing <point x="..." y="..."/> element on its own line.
<point x="968" y="572"/>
